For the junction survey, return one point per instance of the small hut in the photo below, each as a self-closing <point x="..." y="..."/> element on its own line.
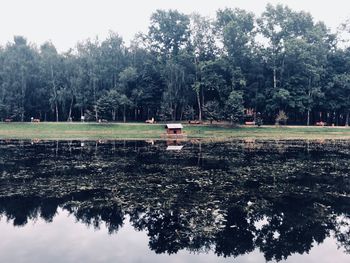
<point x="174" y="129"/>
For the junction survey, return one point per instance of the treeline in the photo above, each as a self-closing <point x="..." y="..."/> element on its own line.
<point x="186" y="67"/>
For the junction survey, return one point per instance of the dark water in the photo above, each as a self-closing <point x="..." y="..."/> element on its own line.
<point x="136" y="201"/>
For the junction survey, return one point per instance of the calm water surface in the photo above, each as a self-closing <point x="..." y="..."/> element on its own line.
<point x="146" y="201"/>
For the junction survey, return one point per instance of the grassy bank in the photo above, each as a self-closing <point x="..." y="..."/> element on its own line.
<point x="86" y="131"/>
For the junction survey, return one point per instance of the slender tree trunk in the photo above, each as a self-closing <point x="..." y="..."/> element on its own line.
<point x="347" y="119"/>
<point x="124" y="113"/>
<point x="198" y="92"/>
<point x="96" y="113"/>
<point x="202" y="102"/>
<point x="274" y="67"/>
<point x="113" y="114"/>
<point x="54" y="92"/>
<point x="95" y="98"/>
<point x="70" y="109"/>
<point x="309" y="106"/>
<point x="281" y="73"/>
<point x="181" y="113"/>
<point x="23" y="90"/>
<point x="337" y="119"/>
<point x="56" y="109"/>
<point x="199" y="107"/>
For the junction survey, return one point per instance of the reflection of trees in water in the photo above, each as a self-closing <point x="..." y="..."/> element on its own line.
<point x="21" y="209"/>
<point x="96" y="212"/>
<point x="85" y="206"/>
<point x="293" y="225"/>
<point x="208" y="196"/>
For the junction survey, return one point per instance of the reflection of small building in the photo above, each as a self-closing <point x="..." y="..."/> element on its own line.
<point x="174" y="129"/>
<point x="174" y="147"/>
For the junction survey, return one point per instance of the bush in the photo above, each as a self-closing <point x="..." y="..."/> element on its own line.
<point x="234" y="107"/>
<point x="281" y="118"/>
<point x="189" y="113"/>
<point x="212" y="111"/>
<point x="258" y="119"/>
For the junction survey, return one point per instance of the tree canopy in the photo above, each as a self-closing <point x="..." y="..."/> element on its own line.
<point x="186" y="67"/>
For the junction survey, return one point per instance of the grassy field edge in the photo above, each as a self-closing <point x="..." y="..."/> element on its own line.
<point x="135" y="131"/>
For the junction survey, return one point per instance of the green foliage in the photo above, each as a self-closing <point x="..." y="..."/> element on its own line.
<point x="234" y="107"/>
<point x="259" y="120"/>
<point x="108" y="104"/>
<point x="212" y="111"/>
<point x="189" y="113"/>
<point x="169" y="30"/>
<point x="281" y="99"/>
<point x="281" y="118"/>
<point x="166" y="112"/>
<point x="186" y="66"/>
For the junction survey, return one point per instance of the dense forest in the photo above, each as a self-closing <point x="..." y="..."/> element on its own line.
<point x="234" y="67"/>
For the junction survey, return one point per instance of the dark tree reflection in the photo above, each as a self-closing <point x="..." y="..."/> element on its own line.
<point x="237" y="237"/>
<point x="233" y="197"/>
<point x="22" y="209"/>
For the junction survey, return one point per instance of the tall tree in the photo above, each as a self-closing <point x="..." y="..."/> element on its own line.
<point x="51" y="71"/>
<point x="204" y="49"/>
<point x="169" y="31"/>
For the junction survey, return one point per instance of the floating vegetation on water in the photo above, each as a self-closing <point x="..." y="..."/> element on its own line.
<point x="229" y="197"/>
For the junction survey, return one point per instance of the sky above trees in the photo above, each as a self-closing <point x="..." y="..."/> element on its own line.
<point x="66" y="22"/>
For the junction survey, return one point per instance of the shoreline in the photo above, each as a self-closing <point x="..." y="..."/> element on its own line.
<point x="140" y="131"/>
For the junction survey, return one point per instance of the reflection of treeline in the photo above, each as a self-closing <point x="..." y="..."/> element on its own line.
<point x="233" y="231"/>
<point x="277" y="197"/>
<point x="85" y="205"/>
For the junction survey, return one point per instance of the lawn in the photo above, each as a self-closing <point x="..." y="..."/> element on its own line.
<point x="91" y="131"/>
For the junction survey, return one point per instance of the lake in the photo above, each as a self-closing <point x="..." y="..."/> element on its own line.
<point x="174" y="201"/>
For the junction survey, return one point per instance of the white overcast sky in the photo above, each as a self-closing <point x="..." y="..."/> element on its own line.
<point x="65" y="22"/>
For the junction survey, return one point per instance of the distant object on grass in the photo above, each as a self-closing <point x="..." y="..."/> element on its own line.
<point x="174" y="129"/>
<point x="321" y="123"/>
<point x="249" y="123"/>
<point x="8" y="120"/>
<point x="151" y="121"/>
<point x="195" y="122"/>
<point x="34" y="120"/>
<point x="281" y="118"/>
